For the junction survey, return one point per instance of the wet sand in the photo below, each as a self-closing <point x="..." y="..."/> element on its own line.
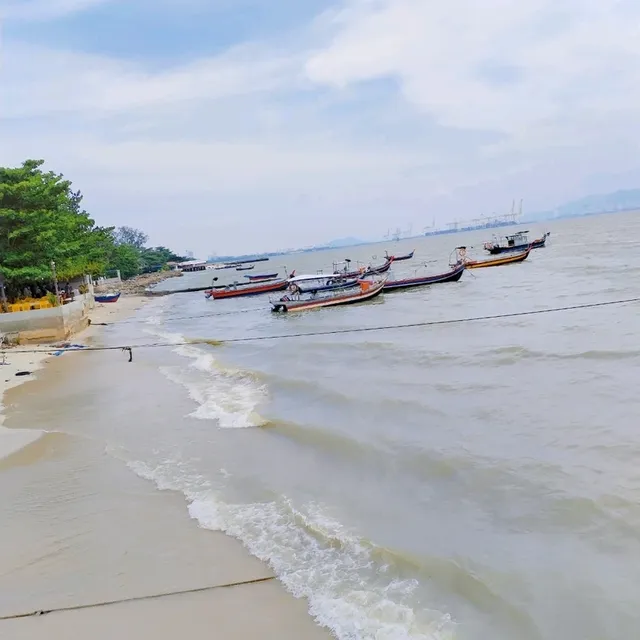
<point x="79" y="528"/>
<point x="15" y="360"/>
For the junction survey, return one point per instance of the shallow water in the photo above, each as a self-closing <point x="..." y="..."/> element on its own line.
<point x="469" y="481"/>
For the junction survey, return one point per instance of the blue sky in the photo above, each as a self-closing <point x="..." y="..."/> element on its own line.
<point x="240" y="125"/>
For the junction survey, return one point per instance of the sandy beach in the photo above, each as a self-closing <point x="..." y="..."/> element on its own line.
<point x="15" y="361"/>
<point x="79" y="530"/>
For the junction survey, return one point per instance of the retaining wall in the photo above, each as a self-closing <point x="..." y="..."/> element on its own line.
<point x="47" y="325"/>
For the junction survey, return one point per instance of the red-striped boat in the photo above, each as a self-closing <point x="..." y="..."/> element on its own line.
<point x="250" y="289"/>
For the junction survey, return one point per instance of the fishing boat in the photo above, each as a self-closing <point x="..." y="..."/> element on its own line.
<point x="367" y="291"/>
<point x="238" y="289"/>
<point x="407" y="283"/>
<point x="512" y="258"/>
<point x="344" y="269"/>
<point x="406" y="256"/>
<point x="516" y="242"/>
<point x="107" y="297"/>
<point x="245" y="268"/>
<point x="262" y="276"/>
<point x="320" y="282"/>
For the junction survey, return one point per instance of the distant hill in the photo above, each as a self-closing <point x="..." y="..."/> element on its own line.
<point x="623" y="200"/>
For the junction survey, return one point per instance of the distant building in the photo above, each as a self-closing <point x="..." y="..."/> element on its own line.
<point x="192" y="265"/>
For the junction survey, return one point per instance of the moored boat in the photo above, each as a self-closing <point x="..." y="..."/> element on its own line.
<point x="406" y="256"/>
<point x="241" y="268"/>
<point x="262" y="276"/>
<point x="512" y="258"/>
<point x="321" y="282"/>
<point x="367" y="291"/>
<point x="515" y="242"/>
<point x="237" y="289"/>
<point x="407" y="283"/>
<point x="107" y="297"/>
<point x="362" y="272"/>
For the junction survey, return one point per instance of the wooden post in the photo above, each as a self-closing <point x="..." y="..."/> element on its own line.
<point x="3" y="296"/>
<point x="55" y="277"/>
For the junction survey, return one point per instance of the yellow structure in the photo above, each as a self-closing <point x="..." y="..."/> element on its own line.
<point x="30" y="304"/>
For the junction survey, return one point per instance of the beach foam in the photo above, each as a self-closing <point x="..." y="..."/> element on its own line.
<point x="224" y="394"/>
<point x="349" y="591"/>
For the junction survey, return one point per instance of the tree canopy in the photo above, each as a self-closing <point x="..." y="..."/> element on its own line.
<point x="42" y="222"/>
<point x="130" y="236"/>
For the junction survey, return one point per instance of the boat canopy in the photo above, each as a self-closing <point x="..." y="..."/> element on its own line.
<point x="317" y="276"/>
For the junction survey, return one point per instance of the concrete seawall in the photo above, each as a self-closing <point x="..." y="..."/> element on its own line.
<point x="47" y="325"/>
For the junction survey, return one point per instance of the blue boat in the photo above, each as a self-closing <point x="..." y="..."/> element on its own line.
<point x="108" y="297"/>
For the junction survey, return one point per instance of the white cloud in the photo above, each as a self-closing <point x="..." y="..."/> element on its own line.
<point x="36" y="10"/>
<point x="448" y="57"/>
<point x="98" y="85"/>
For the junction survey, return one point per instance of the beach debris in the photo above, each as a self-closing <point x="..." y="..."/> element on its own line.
<point x="23" y="373"/>
<point x="67" y="346"/>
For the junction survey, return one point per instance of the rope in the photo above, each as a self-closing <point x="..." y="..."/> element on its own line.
<point x="152" y="596"/>
<point x="412" y="325"/>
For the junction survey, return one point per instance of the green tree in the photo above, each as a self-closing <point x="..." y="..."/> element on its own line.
<point x="41" y="220"/>
<point x="131" y="236"/>
<point x="156" y="258"/>
<point x="126" y="258"/>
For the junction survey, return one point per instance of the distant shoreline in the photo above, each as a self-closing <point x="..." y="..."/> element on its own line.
<point x="527" y="221"/>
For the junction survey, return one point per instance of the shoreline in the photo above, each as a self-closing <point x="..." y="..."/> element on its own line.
<point x="130" y="579"/>
<point x="15" y="360"/>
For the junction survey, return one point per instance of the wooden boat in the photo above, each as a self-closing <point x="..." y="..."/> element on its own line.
<point x="245" y="268"/>
<point x="262" y="276"/>
<point x="381" y="269"/>
<point x="362" y="272"/>
<point x="451" y="276"/>
<point x="367" y="291"/>
<point x="237" y="290"/>
<point x="516" y="242"/>
<point x="512" y="258"/>
<point x="406" y="256"/>
<point x="320" y="282"/>
<point x="107" y="297"/>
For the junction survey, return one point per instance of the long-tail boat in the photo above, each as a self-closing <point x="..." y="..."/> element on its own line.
<point x="362" y="272"/>
<point x="241" y="268"/>
<point x="320" y="282"/>
<point x="407" y="283"/>
<point x="367" y="291"/>
<point x="237" y="290"/>
<point x="262" y="276"/>
<point x="406" y="256"/>
<point x="512" y="258"/>
<point x="516" y="242"/>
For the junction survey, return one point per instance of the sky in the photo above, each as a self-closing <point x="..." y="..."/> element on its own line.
<point x="233" y="126"/>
